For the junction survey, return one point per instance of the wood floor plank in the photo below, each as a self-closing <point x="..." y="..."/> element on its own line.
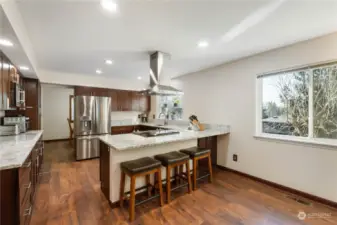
<point x="69" y="194"/>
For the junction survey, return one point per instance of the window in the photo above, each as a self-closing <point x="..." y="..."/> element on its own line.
<point x="300" y="102"/>
<point x="170" y="106"/>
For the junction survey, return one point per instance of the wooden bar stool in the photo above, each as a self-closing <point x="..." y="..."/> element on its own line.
<point x="136" y="168"/>
<point x="196" y="153"/>
<point x="174" y="160"/>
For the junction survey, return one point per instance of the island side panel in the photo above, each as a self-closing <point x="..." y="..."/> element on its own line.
<point x="104" y="169"/>
<point x="222" y="150"/>
<point x="116" y="157"/>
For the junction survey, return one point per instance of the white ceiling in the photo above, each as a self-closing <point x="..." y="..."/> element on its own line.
<point x="15" y="53"/>
<point x="76" y="36"/>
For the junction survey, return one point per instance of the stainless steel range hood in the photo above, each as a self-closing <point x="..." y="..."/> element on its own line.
<point x="156" y="65"/>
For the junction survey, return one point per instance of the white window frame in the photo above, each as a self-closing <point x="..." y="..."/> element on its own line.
<point x="288" y="138"/>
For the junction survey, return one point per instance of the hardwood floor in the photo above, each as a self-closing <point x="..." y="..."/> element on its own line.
<point x="69" y="194"/>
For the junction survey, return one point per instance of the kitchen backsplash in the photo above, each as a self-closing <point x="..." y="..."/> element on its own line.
<point x="124" y="117"/>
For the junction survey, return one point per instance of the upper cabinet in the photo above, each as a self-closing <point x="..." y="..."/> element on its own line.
<point x="10" y="82"/>
<point x="121" y="100"/>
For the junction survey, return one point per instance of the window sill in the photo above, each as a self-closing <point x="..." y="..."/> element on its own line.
<point x="300" y="140"/>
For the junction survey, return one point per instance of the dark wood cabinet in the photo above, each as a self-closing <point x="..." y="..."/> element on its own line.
<point x="130" y="129"/>
<point x="124" y="100"/>
<point x="9" y="78"/>
<point x="122" y="130"/>
<point x="104" y="169"/>
<point x="212" y="144"/>
<point x="121" y="100"/>
<point x="33" y="99"/>
<point x="92" y="91"/>
<point x="18" y="187"/>
<point x="87" y="91"/>
<point x="114" y="100"/>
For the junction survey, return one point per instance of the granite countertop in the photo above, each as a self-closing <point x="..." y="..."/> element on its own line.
<point x="15" y="149"/>
<point x="131" y="141"/>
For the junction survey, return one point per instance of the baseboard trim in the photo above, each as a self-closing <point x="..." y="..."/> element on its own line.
<point x="56" y="140"/>
<point x="284" y="188"/>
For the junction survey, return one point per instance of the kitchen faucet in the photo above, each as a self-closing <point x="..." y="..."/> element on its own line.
<point x="166" y="120"/>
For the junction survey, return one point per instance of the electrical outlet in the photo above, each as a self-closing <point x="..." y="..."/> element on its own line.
<point x="235" y="157"/>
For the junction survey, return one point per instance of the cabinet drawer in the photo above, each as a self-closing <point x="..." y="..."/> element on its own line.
<point x="25" y="182"/>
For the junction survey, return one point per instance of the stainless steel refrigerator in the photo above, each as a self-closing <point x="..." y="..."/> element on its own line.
<point x="92" y="119"/>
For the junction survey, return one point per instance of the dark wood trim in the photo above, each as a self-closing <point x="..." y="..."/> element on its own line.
<point x="284" y="188"/>
<point x="56" y="140"/>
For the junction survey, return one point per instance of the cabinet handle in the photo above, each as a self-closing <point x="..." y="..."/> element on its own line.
<point x="27" y="186"/>
<point x="28" y="164"/>
<point x="28" y="211"/>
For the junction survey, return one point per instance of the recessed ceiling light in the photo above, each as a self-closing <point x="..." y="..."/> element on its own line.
<point x="109" y="5"/>
<point x="109" y="61"/>
<point x="6" y="42"/>
<point x="139" y="78"/>
<point x="98" y="71"/>
<point x="203" y="44"/>
<point x="23" y="68"/>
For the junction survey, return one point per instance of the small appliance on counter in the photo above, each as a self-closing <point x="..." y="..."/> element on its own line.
<point x="143" y="117"/>
<point x="21" y="121"/>
<point x="9" y="130"/>
<point x="195" y="124"/>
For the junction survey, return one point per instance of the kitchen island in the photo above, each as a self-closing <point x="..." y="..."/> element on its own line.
<point x="115" y="149"/>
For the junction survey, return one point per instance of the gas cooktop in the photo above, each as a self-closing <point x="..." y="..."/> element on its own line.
<point x="155" y="133"/>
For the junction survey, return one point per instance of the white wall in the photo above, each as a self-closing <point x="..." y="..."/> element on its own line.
<point x="55" y="111"/>
<point x="226" y="95"/>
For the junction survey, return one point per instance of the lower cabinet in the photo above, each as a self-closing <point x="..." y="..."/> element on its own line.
<point x="18" y="187"/>
<point x="122" y="130"/>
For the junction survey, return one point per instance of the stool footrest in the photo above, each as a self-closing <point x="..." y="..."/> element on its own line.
<point x="203" y="176"/>
<point x="146" y="200"/>
<point x="179" y="186"/>
<point x="139" y="189"/>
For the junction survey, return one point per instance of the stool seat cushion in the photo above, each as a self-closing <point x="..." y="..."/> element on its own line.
<point x="140" y="165"/>
<point x="171" y="158"/>
<point x="195" y="151"/>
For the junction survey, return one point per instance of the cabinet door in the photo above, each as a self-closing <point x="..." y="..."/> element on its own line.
<point x="32" y="100"/>
<point x="87" y="91"/>
<point x="124" y="102"/>
<point x="114" y="100"/>
<point x="102" y="92"/>
<point x="105" y="169"/>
